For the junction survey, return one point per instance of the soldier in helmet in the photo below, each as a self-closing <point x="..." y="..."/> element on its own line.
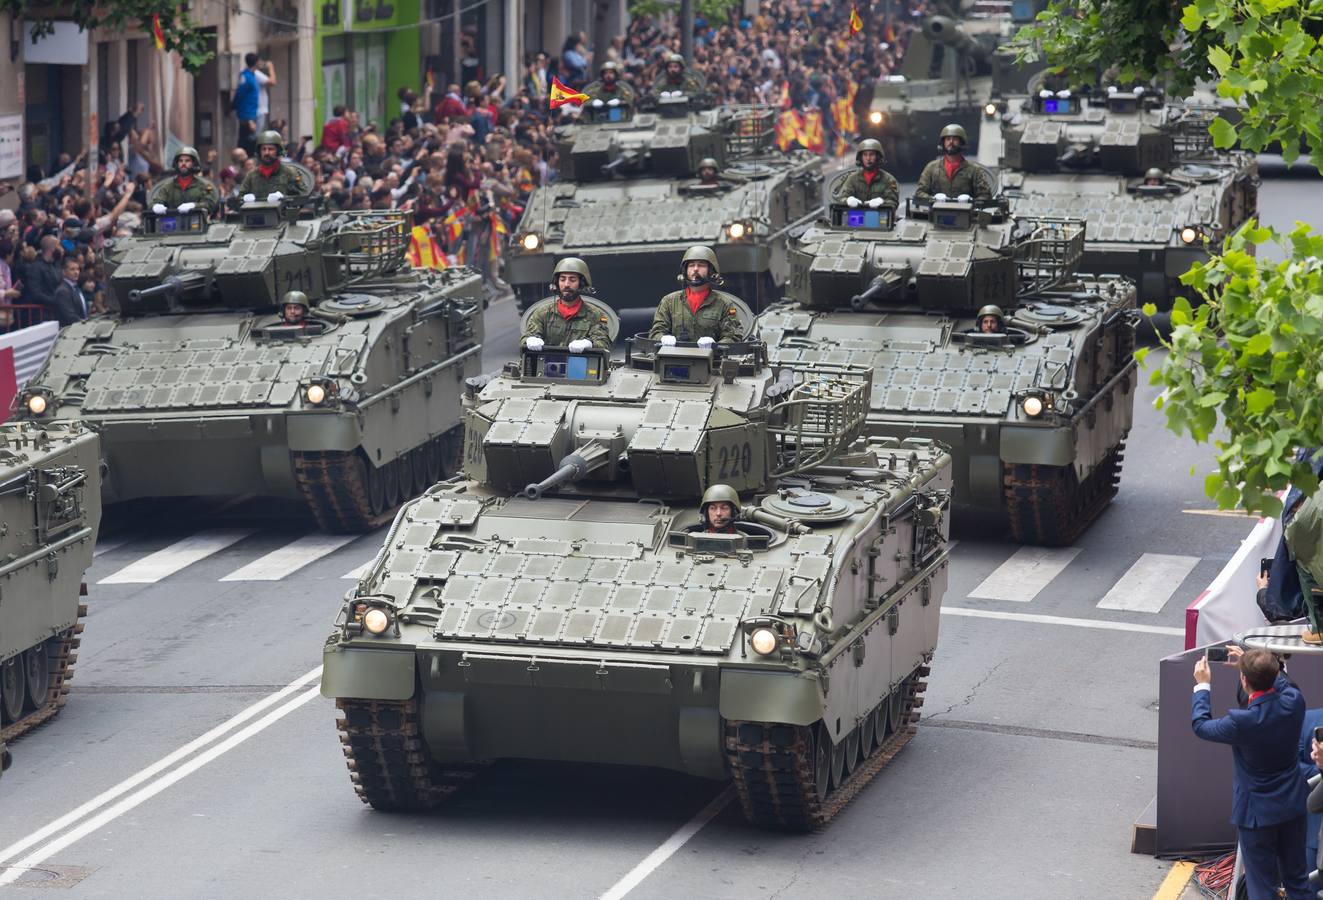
<point x="697" y="312"/>
<point x="294" y="308"/>
<point x="568" y="321"/>
<point x="186" y="189"/>
<point x="1155" y="177"/>
<point x="719" y="509"/>
<point x="608" y="86"/>
<point x="270" y="180"/>
<point x="709" y="173"/>
<point x="951" y="175"/>
<point x="991" y="320"/>
<point x="870" y="184"/>
<point x="675" y="78"/>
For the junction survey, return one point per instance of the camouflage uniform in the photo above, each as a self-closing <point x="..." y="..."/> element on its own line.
<point x="970" y="178"/>
<point x="717" y="318"/>
<point x="690" y="84"/>
<point x="286" y="180"/>
<point x="547" y="323"/>
<point x="597" y="91"/>
<point x="884" y="185"/>
<point x="201" y="193"/>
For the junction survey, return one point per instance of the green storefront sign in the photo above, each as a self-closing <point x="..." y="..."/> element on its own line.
<point x="366" y="50"/>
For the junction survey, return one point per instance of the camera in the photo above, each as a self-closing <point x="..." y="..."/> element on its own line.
<point x="1217" y="654"/>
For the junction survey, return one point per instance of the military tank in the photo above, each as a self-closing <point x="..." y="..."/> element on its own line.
<point x="51" y="506"/>
<point x="628" y="201"/>
<point x="563" y="601"/>
<point x="1087" y="156"/>
<point x="198" y="386"/>
<point x="1036" y="413"/>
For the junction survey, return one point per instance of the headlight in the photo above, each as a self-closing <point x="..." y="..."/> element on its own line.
<point x="990" y="110"/>
<point x="375" y="621"/>
<point x="763" y="641"/>
<point x="1033" y="406"/>
<point x="530" y="241"/>
<point x="736" y="230"/>
<point x="36" y="404"/>
<point x="876" y="117"/>
<point x="1189" y="234"/>
<point x="316" y="394"/>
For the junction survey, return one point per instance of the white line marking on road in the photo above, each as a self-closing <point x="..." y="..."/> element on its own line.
<point x="155" y="768"/>
<point x="179" y="555"/>
<point x="291" y="557"/>
<point x="14" y="872"/>
<point x="105" y="546"/>
<point x="1028" y="571"/>
<point x="357" y="571"/>
<point x="1061" y="620"/>
<point x="1149" y="583"/>
<point x="634" y="877"/>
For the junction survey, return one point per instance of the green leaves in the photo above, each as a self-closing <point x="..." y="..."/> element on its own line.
<point x="181" y="35"/>
<point x="1220" y="60"/>
<point x="1223" y="132"/>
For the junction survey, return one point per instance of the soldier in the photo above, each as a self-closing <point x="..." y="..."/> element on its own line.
<point x="719" y="509"/>
<point x="697" y="312"/>
<point x="294" y="309"/>
<point x="1155" y="177"/>
<point x="569" y="322"/>
<point x="708" y="172"/>
<point x="608" y="86"/>
<point x="951" y="175"/>
<point x="870" y="184"/>
<point x="269" y="180"/>
<point x="186" y="189"/>
<point x="676" y="78"/>
<point x="991" y="320"/>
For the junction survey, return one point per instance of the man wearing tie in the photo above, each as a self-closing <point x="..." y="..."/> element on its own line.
<point x="68" y="301"/>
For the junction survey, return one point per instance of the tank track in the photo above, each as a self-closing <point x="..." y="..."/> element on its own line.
<point x="773" y="766"/>
<point x="388" y="761"/>
<point x="57" y="692"/>
<point x="334" y="484"/>
<point x="1047" y="506"/>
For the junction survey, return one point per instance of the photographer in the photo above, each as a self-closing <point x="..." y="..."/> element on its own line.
<point x="1268" y="806"/>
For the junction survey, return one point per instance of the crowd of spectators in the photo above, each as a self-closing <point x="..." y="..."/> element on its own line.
<point x="462" y="159"/>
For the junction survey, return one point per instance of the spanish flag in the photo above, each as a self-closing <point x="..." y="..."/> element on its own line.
<point x="424" y="252"/>
<point x="496" y="236"/>
<point x="856" y="23"/>
<point x="784" y="101"/>
<point x="454" y="228"/>
<point x="157" y="33"/>
<point x="560" y="94"/>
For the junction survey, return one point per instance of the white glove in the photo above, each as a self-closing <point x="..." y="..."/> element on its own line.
<point x="852" y="202"/>
<point x="939" y="198"/>
<point x="614" y="101"/>
<point x="274" y="197"/>
<point x="965" y="198"/>
<point x="875" y="203"/>
<point x="580" y="345"/>
<point x="534" y="343"/>
<point x="706" y="341"/>
<point x="668" y="340"/>
<point x="249" y="198"/>
<point x="187" y="207"/>
<point x="158" y="208"/>
<point x="598" y="104"/>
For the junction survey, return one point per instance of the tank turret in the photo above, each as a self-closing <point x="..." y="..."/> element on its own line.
<point x="1124" y="133"/>
<point x="947" y="32"/>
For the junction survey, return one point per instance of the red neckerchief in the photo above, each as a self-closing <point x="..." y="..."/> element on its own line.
<point x="869" y="175"/>
<point x="571" y="310"/>
<point x="952" y="166"/>
<point x="1257" y="694"/>
<point x="729" y="529"/>
<point x="184" y="181"/>
<point x="695" y="296"/>
<point x="609" y="86"/>
<point x="275" y="167"/>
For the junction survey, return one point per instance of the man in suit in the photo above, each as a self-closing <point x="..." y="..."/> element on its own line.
<point x="1268" y="806"/>
<point x="68" y="301"/>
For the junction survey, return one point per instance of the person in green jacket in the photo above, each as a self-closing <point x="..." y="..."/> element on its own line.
<point x="608" y="86"/>
<point x="697" y="312"/>
<point x="269" y="176"/>
<point x="951" y="175"/>
<point x="186" y="188"/>
<point x="869" y="184"/>
<point x="565" y="320"/>
<point x="676" y="77"/>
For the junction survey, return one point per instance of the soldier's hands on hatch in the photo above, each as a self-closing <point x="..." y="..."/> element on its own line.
<point x="275" y="197"/>
<point x="614" y="101"/>
<point x="668" y="340"/>
<point x="187" y="207"/>
<point x="852" y="202"/>
<point x="159" y="208"/>
<point x="942" y="198"/>
<point x="598" y="104"/>
<point x="875" y="203"/>
<point x="579" y="346"/>
<point x="249" y="198"/>
<point x="534" y="343"/>
<point x="706" y="341"/>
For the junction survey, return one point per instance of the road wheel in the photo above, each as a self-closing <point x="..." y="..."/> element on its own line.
<point x="13" y="689"/>
<point x="37" y="674"/>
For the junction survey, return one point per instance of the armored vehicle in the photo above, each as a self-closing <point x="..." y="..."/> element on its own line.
<point x="1092" y="157"/>
<point x="51" y="506"/>
<point x="627" y="200"/>
<point x="564" y="600"/>
<point x="1036" y="411"/>
<point x="198" y="385"/>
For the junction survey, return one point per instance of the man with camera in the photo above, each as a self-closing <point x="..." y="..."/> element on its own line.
<point x="1268" y="806"/>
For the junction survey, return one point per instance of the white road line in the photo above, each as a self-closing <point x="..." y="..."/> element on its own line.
<point x="291" y="557"/>
<point x="181" y="554"/>
<point x="1149" y="583"/>
<point x="14" y="872"/>
<point x="634" y="877"/>
<point x="358" y="571"/>
<point x="105" y="546"/>
<point x="1061" y="620"/>
<point x="157" y="767"/>
<point x="1027" y="572"/>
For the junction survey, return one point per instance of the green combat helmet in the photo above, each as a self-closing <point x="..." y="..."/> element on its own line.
<point x="953" y="130"/>
<point x="719" y="493"/>
<point x="191" y="154"/>
<point x="271" y="137"/>
<point x="701" y="253"/>
<point x="573" y="265"/>
<point x="869" y="144"/>
<point x="990" y="310"/>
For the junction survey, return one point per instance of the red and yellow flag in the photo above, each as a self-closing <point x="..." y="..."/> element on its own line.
<point x="788" y="125"/>
<point x="784" y="101"/>
<point x="811" y="134"/>
<point x="856" y="23"/>
<point x="496" y="236"/>
<point x="157" y="33"/>
<point x="560" y="94"/>
<point x="454" y="228"/>
<point x="424" y="252"/>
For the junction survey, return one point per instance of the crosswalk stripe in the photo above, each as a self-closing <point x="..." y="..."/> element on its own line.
<point x="357" y="571"/>
<point x="164" y="563"/>
<point x="1028" y="571"/>
<point x="1149" y="583"/>
<point x="291" y="557"/>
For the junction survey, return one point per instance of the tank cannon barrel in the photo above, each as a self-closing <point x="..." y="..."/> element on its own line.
<point x="573" y="467"/>
<point x="170" y="287"/>
<point x="880" y="288"/>
<point x="945" y="31"/>
<point x="623" y="161"/>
